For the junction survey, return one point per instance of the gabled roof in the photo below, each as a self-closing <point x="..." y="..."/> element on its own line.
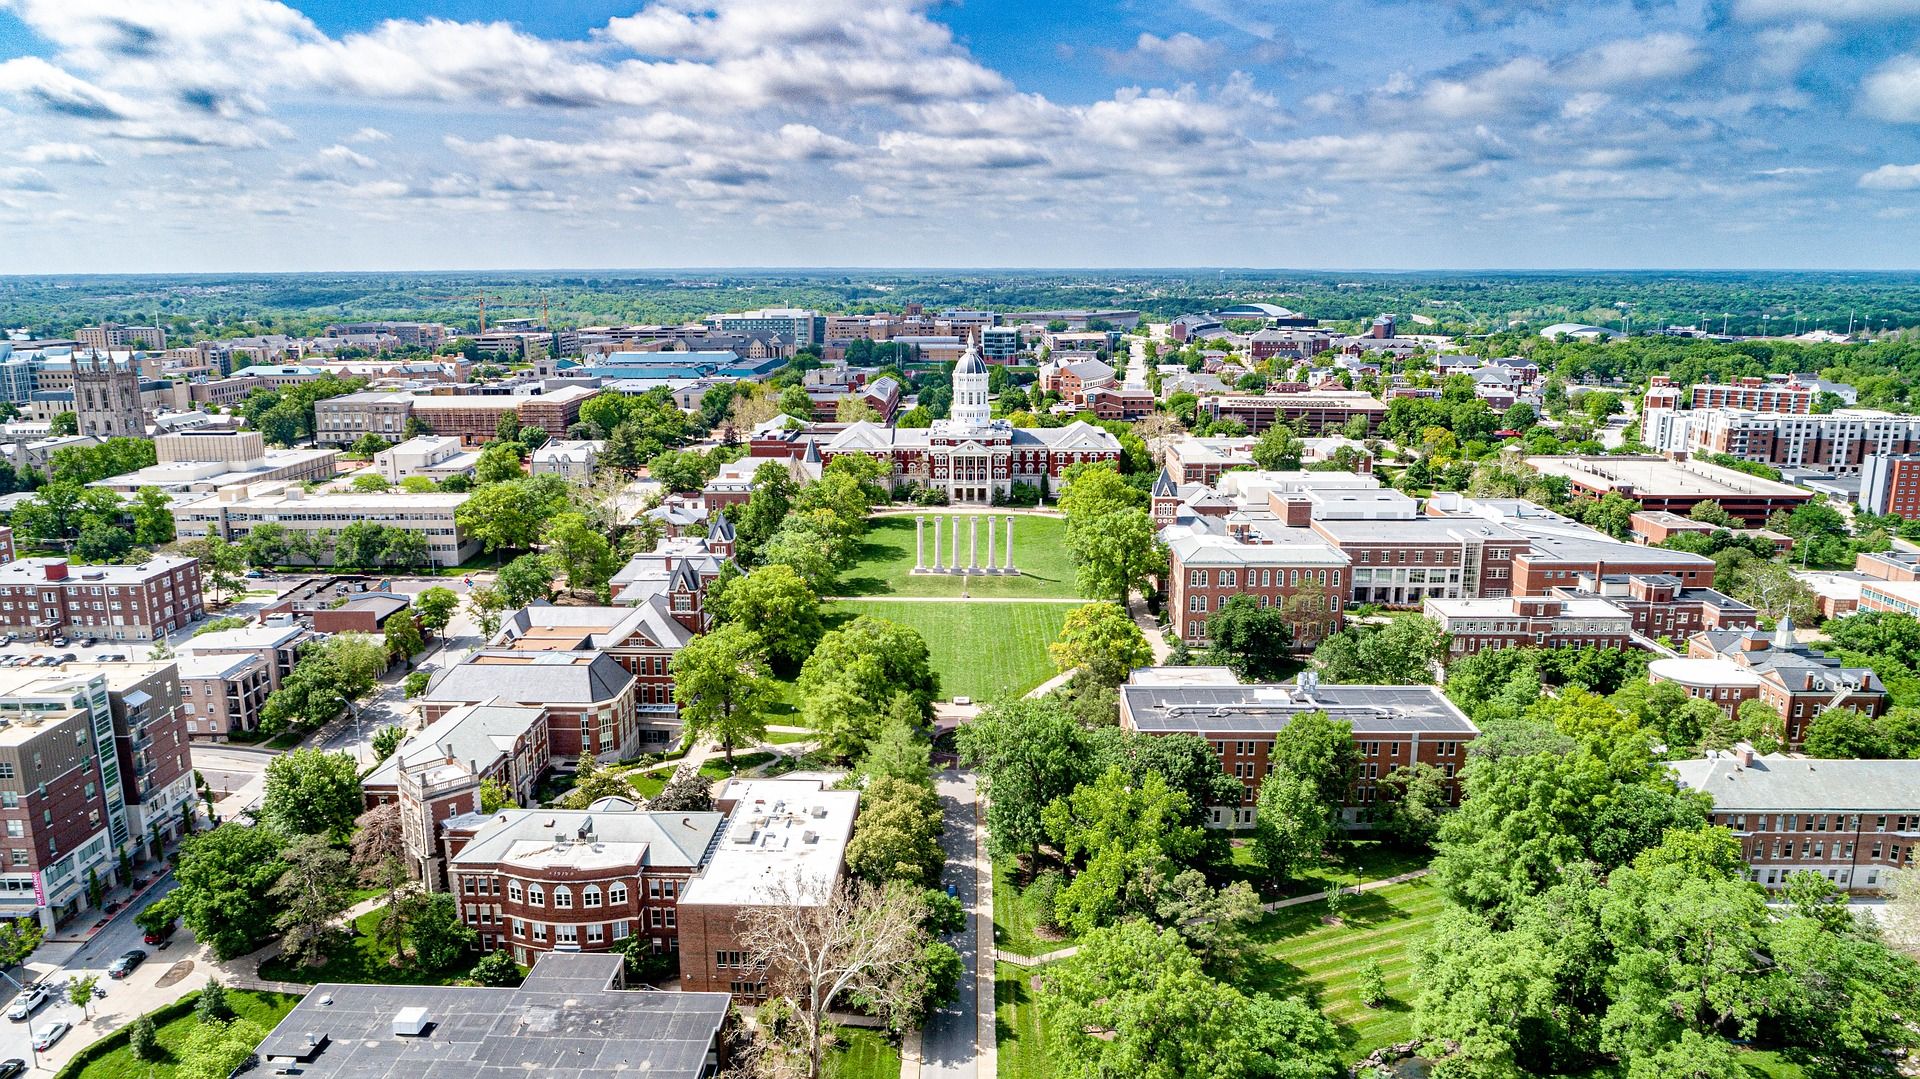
<point x="1164" y="487"/>
<point x="719" y="529"/>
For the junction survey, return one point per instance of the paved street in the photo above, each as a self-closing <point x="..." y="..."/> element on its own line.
<point x="950" y="1046"/>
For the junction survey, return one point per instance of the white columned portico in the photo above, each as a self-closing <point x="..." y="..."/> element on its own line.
<point x="936" y="544"/>
<point x="1009" y="563"/>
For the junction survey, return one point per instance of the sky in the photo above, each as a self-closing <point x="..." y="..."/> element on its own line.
<point x="255" y="135"/>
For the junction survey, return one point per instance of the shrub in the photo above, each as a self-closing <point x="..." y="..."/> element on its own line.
<point x="1044" y="894"/>
<point x="142" y="1039"/>
<point x="213" y="1006"/>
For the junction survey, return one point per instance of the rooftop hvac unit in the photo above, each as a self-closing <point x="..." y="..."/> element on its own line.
<point x="410" y="1022"/>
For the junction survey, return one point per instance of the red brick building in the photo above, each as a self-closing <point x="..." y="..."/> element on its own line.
<point x="1317" y="412"/>
<point x="47" y="597"/>
<point x="1661" y="606"/>
<point x="1757" y="394"/>
<point x="1476" y="625"/>
<point x="1308" y="578"/>
<point x="1393" y="726"/>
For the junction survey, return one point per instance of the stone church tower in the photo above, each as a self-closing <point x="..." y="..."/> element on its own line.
<point x="106" y="398"/>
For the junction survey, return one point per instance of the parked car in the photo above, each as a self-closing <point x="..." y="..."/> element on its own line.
<point x="112" y="657"/>
<point x="165" y="932"/>
<point x="52" y="1034"/>
<point x="255" y="575"/>
<point x="124" y="965"/>
<point x="90" y="642"/>
<point x="28" y="1002"/>
<point x="58" y="642"/>
<point x="11" y="1067"/>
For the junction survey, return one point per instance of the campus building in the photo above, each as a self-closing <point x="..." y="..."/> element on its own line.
<point x="1796" y="681"/>
<point x="1476" y="625"/>
<point x="41" y="598"/>
<point x="1656" y="483"/>
<point x="232" y="512"/>
<point x="1393" y="726"/>
<point x="1305" y="577"/>
<point x="1854" y="822"/>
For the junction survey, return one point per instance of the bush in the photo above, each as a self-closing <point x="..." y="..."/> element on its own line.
<point x="142" y="1039"/>
<point x="497" y="970"/>
<point x="1044" y="894"/>
<point x="1023" y="494"/>
<point x="212" y="1006"/>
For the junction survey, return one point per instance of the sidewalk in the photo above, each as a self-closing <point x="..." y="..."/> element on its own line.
<point x="119" y="898"/>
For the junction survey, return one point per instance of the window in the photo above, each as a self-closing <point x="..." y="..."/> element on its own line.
<point x="590" y="896"/>
<point x="616" y="894"/>
<point x="653" y="918"/>
<point x="536" y="895"/>
<point x="596" y="933"/>
<point x="539" y="931"/>
<point x="620" y="931"/>
<point x="513" y="891"/>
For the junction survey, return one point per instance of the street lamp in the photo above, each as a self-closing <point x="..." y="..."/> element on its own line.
<point x="32" y="1049"/>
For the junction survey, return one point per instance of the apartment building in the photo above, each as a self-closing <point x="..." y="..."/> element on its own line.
<point x="41" y="598"/>
<point x="1000" y="344"/>
<point x="223" y="693"/>
<point x="1840" y="442"/>
<point x="1118" y="402"/>
<point x="1393" y="726"/>
<point x="113" y="336"/>
<point x="1288" y="346"/>
<point x="1297" y="572"/>
<point x="415" y="334"/>
<point x="1890" y="483"/>
<point x="1072" y="375"/>
<point x="1756" y="394"/>
<point x="1854" y="822"/>
<point x="1317" y="412"/>
<point x="232" y="512"/>
<point x="150" y="746"/>
<point x="1476" y="625"/>
<point x="798" y="325"/>
<point x="1204" y="460"/>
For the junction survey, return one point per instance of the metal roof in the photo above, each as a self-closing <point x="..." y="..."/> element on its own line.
<point x="1777" y="782"/>
<point x="1267" y="707"/>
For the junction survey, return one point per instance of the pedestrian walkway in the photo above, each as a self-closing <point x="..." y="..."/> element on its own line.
<point x="1071" y="950"/>
<point x="113" y="901"/>
<point x="1150" y="628"/>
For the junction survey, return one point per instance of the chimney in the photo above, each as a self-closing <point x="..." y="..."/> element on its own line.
<point x="57" y="570"/>
<point x="1744" y="754"/>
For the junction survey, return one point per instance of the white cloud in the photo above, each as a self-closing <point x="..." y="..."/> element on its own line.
<point x="1892" y="92"/>
<point x="1892" y="178"/>
<point x="62" y="153"/>
<point x="1180" y="52"/>
<point x="369" y="134"/>
<point x="1832" y="10"/>
<point x="16" y="178"/>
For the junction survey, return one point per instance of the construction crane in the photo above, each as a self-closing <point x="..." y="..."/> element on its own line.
<point x="481" y="300"/>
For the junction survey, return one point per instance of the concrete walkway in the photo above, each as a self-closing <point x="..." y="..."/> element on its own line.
<point x="1149" y="628"/>
<point x="958" y="1040"/>
<point x="1051" y="684"/>
<point x="1294" y="901"/>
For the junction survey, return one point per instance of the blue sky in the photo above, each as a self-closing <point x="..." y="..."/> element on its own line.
<point x="209" y="135"/>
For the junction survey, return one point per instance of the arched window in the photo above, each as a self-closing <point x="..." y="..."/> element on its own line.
<point x="536" y="896"/>
<point x="590" y="896"/>
<point x="513" y="891"/>
<point x="562" y="898"/>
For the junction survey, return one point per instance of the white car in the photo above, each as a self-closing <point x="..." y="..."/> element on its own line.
<point x="28" y="1002"/>
<point x="44" y="1041"/>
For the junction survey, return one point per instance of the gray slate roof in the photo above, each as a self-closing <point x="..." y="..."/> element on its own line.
<point x="545" y="678"/>
<point x="1778" y="782"/>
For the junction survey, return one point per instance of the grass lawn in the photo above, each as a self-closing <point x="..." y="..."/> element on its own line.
<point x="1016" y="916"/>
<point x="784" y="738"/>
<point x="1358" y="862"/>
<point x="266" y="1009"/>
<point x="863" y="1054"/>
<point x="649" y="786"/>
<point x="981" y="650"/>
<point x="883" y="563"/>
<point x="742" y="762"/>
<point x="1016" y="1021"/>
<point x="1296" y="954"/>
<point x="364" y="961"/>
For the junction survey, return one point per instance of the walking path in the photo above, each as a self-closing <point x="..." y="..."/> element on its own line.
<point x="958" y="1041"/>
<point x="1071" y="950"/>
<point x="1150" y="628"/>
<point x="1052" y="684"/>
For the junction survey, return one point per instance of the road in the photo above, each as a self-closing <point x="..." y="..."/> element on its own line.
<point x="951" y="1042"/>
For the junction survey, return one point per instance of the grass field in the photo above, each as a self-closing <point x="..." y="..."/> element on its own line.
<point x="1357" y="862"/>
<point x="266" y="1009"/>
<point x="1016" y="1019"/>
<point x="863" y="1054"/>
<point x="363" y="960"/>
<point x="981" y="650"/>
<point x="883" y="564"/>
<point x="1296" y="954"/>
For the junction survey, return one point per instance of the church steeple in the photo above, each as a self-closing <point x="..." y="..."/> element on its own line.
<point x="970" y="406"/>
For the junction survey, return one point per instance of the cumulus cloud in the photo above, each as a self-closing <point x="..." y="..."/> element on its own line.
<point x="1892" y="178"/>
<point x="61" y="153"/>
<point x="1892" y="92"/>
<point x="369" y="134"/>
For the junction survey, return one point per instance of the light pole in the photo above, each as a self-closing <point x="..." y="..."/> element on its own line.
<point x="32" y="1049"/>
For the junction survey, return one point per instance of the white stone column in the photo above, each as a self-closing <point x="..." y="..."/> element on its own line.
<point x="936" y="544"/>
<point x="954" y="561"/>
<point x="973" y="543"/>
<point x="1009" y="564"/>
<point x="919" y="542"/>
<point x="990" y="524"/>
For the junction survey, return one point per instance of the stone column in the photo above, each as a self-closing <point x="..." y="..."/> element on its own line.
<point x="973" y="543"/>
<point x="1009" y="565"/>
<point x="936" y="544"/>
<point x="990" y="523"/>
<point x="954" y="561"/>
<point x="919" y="543"/>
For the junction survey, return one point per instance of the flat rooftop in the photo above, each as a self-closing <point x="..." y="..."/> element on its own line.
<point x="1157" y="706"/>
<point x="566" y="1022"/>
<point x="784" y="842"/>
<point x="1632" y="476"/>
<point x="34" y="571"/>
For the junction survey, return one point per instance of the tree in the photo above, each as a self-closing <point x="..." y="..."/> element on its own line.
<point x="1134" y="1001"/>
<point x="436" y="932"/>
<point x="900" y="752"/>
<point x="721" y="685"/>
<point x="1125" y="837"/>
<point x="1102" y="642"/>
<point x="152" y="523"/>
<point x="1116" y="553"/>
<point x="1413" y="800"/>
<point x="591" y="782"/>
<point x="312" y="792"/>
<point x="1029" y="753"/>
<point x="486" y="602"/>
<point x="371" y="482"/>
<point x="507" y="429"/>
<point x="402" y="637"/>
<point x="1401" y="653"/>
<point x="386" y="740"/>
<point x="853" y="675"/>
<point x="495" y="796"/>
<point x="898" y="834"/>
<point x="212" y="1005"/>
<point x="1278" y="449"/>
<point x="818" y="952"/>
<point x="497" y="970"/>
<point x="1291" y="824"/>
<point x="18" y="938"/>
<point x="1373" y="984"/>
<point x="1712" y="513"/>
<point x="221" y="565"/>
<point x="141" y="1039"/>
<point x="776" y="604"/>
<point x="686" y="792"/>
<point x="1319" y="750"/>
<point x="225" y="877"/>
<point x="525" y="580"/>
<point x="368" y="445"/>
<point x="1255" y="641"/>
<point x="435" y="606"/>
<point x="509" y="515"/>
<point x="80" y="991"/>
<point x="415" y="683"/>
<point x="64" y="423"/>
<point x="266" y="545"/>
<point x="581" y="551"/>
<point x="312" y="893"/>
<point x="377" y="839"/>
<point x="498" y="462"/>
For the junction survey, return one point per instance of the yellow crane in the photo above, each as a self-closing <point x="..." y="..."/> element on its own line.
<point x="481" y="300"/>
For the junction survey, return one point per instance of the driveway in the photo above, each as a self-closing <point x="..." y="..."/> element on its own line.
<point x="954" y="1036"/>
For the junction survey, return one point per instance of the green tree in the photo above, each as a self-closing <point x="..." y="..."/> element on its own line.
<point x="776" y="603"/>
<point x="142" y="1041"/>
<point x="510" y="515"/>
<point x="152" y="523"/>
<point x="500" y="461"/>
<point x="898" y="835"/>
<point x="1278" y="449"/>
<point x="581" y="551"/>
<point x="1712" y="513"/>
<point x="1255" y="641"/>
<point x="866" y="661"/>
<point x="312" y="792"/>
<point x="371" y="483"/>
<point x="309" y="898"/>
<point x="403" y="639"/>
<point x="225" y="879"/>
<point x="1028" y="753"/>
<point x="1413" y="801"/>
<point x="900" y="751"/>
<point x="1116" y="553"/>
<point x="497" y="970"/>
<point x="415" y="683"/>
<point x="386" y="740"/>
<point x="1401" y="653"/>
<point x="1292" y="825"/>
<point x="18" y="938"/>
<point x="721" y="685"/>
<point x="266" y="545"/>
<point x="525" y="580"/>
<point x="435" y="606"/>
<point x="64" y="423"/>
<point x="1102" y="642"/>
<point x="1125" y="838"/>
<point x="435" y="931"/>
